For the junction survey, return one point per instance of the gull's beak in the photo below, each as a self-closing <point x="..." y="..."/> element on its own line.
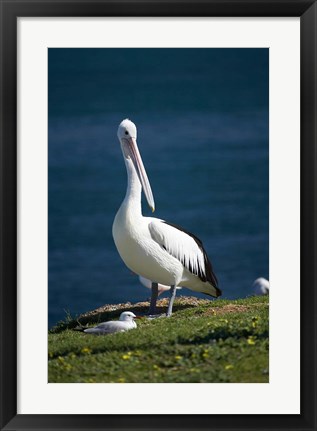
<point x="131" y="150"/>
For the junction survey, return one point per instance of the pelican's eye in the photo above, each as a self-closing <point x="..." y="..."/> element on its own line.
<point x="126" y="132"/>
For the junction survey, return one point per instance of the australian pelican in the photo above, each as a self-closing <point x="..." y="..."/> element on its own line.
<point x="155" y="249"/>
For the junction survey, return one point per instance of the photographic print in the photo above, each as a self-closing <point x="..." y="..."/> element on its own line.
<point x="158" y="215"/>
<point x="218" y="100"/>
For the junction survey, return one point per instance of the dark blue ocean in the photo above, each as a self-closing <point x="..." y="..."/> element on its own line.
<point x="203" y="133"/>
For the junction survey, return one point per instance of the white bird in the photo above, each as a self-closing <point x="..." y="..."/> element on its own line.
<point x="125" y="323"/>
<point x="159" y="251"/>
<point x="161" y="287"/>
<point x="261" y="286"/>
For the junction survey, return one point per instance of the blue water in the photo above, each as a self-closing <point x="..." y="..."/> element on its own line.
<point x="202" y="118"/>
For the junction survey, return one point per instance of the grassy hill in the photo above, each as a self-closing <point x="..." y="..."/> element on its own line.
<point x="219" y="341"/>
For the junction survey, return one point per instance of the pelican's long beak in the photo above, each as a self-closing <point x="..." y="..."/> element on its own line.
<point x="131" y="150"/>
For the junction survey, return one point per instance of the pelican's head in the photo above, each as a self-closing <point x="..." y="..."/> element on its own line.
<point x="127" y="129"/>
<point x="127" y="316"/>
<point x="127" y="134"/>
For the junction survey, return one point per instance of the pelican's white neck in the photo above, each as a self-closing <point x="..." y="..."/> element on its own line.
<point x="132" y="200"/>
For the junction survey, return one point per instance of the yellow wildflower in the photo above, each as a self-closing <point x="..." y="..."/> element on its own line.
<point x="228" y="367"/>
<point x="86" y="350"/>
<point x="127" y="356"/>
<point x="251" y="341"/>
<point x="254" y="321"/>
<point x="205" y="354"/>
<point x="68" y="367"/>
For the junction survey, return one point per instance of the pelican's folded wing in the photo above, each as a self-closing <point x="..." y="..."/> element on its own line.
<point x="185" y="247"/>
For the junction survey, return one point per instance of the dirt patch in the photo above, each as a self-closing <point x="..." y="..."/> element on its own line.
<point x="230" y="308"/>
<point x="180" y="302"/>
<point x="113" y="310"/>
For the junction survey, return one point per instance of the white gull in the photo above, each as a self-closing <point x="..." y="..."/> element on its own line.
<point x="261" y="286"/>
<point x="125" y="323"/>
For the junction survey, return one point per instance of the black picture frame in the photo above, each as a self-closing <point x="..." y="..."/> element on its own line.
<point x="10" y="11"/>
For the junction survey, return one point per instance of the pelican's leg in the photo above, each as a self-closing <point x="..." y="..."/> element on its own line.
<point x="170" y="304"/>
<point x="153" y="298"/>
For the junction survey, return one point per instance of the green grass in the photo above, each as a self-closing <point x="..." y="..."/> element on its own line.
<point x="220" y="341"/>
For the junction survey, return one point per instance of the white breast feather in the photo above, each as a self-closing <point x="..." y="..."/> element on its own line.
<point x="180" y="245"/>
